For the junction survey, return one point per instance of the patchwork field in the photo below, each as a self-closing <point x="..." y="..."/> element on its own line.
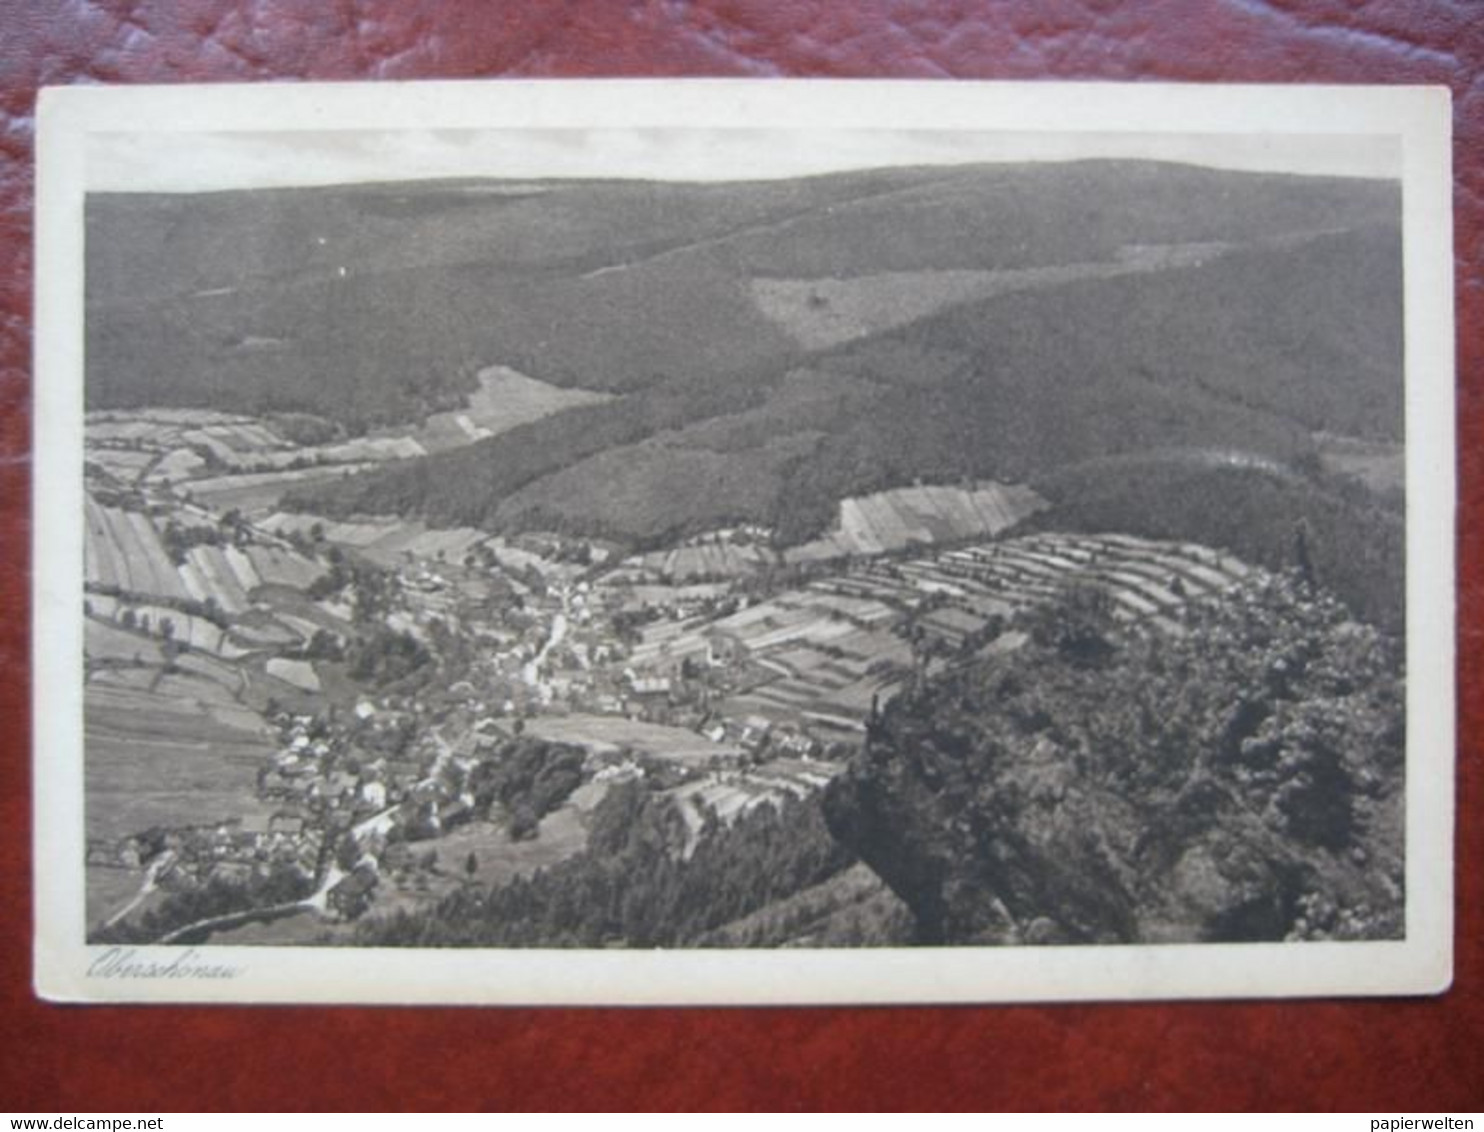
<point x="131" y="426"/>
<point x="386" y="541"/>
<point x="839" y="644"/>
<point x="1146" y="580"/>
<point x="236" y="442"/>
<point x="197" y="632"/>
<point x="256" y="493"/>
<point x="185" y="441"/>
<point x="124" y="464"/>
<point x="224" y="575"/>
<point x="715" y="555"/>
<point x="638" y="595"/>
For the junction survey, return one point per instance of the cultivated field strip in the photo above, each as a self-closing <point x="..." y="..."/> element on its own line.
<point x="105" y="643"/>
<point x="197" y="632"/>
<point x="610" y="734"/>
<point x="278" y="567"/>
<point x="837" y="644"/>
<point x="123" y="550"/>
<point x="733" y="793"/>
<point x="723" y="553"/>
<point x="208" y="571"/>
<point x="191" y="439"/>
<point x="866" y="525"/>
<point x="124" y="464"/>
<point x="386" y="541"/>
<point x="893" y="520"/>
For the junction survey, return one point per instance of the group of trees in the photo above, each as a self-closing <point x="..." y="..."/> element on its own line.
<point x="232" y="529"/>
<point x="189" y="901"/>
<point x="527" y="778"/>
<point x="178" y="539"/>
<point x="373" y="592"/>
<point x="385" y="656"/>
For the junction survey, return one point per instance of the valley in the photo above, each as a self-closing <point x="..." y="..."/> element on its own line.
<point x="283" y="703"/>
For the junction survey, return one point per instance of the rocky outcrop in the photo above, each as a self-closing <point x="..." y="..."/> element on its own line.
<point x="1240" y="781"/>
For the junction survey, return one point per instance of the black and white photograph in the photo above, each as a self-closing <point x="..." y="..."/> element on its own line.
<point x="744" y="542"/>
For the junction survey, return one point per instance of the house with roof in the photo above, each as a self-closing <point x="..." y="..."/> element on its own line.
<point x="352" y="896"/>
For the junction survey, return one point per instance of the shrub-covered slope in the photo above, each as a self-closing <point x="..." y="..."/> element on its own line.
<point x="1242" y="782"/>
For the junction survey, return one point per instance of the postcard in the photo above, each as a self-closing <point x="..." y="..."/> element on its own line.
<point x="711" y="541"/>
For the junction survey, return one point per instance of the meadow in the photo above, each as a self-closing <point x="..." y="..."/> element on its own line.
<point x="158" y="760"/>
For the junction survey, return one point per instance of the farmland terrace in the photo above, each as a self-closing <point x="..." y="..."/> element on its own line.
<point x="821" y="656"/>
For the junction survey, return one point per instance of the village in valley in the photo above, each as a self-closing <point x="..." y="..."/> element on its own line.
<point x="970" y="552"/>
<point x="328" y="713"/>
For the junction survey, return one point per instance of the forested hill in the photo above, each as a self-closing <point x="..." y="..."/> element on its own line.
<point x="775" y="345"/>
<point x="371" y="304"/>
<point x="1250" y="350"/>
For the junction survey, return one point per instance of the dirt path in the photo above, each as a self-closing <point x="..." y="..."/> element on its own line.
<point x="149" y="884"/>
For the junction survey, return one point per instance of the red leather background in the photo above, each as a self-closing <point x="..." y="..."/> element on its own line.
<point x="1367" y="1055"/>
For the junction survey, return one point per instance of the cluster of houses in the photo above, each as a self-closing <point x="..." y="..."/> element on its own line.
<point x="523" y="667"/>
<point x="234" y="852"/>
<point x="758" y="735"/>
<point x="392" y="770"/>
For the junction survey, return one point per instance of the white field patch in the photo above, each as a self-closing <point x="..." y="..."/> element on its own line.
<point x="505" y="399"/>
<point x="177" y="464"/>
<point x="299" y="673"/>
<point x="103" y="642"/>
<point x="209" y="575"/>
<point x="124" y="464"/>
<point x="716" y="554"/>
<point x="891" y="520"/>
